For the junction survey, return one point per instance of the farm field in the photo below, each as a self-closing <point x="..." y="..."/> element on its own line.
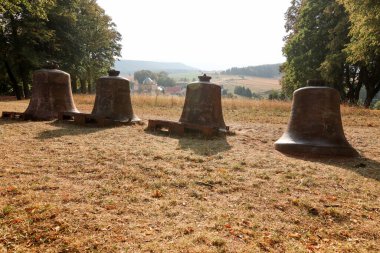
<point x="65" y="188"/>
<point x="257" y="84"/>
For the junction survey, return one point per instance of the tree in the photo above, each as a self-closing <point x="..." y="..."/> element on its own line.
<point x="242" y="91"/>
<point x="141" y="75"/>
<point x="76" y="33"/>
<point x="164" y="80"/>
<point x="364" y="46"/>
<point x="337" y="43"/>
<point x="23" y="37"/>
<point x="86" y="41"/>
<point x="305" y="47"/>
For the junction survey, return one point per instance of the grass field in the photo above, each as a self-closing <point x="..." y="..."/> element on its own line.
<point x="65" y="188"/>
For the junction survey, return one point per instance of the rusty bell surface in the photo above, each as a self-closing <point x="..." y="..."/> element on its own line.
<point x="113" y="98"/>
<point x="203" y="104"/>
<point x="51" y="94"/>
<point x="315" y="127"/>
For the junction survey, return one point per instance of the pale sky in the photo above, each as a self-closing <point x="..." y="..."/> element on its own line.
<point x="206" y="34"/>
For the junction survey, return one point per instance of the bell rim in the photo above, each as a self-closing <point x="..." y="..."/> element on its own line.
<point x="310" y="150"/>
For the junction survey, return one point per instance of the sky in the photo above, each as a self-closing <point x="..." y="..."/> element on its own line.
<point x="206" y="34"/>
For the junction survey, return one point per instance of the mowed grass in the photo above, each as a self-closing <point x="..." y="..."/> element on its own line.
<point x="65" y="188"/>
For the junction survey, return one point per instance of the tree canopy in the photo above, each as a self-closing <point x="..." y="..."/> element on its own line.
<point x="338" y="41"/>
<point x="162" y="78"/>
<point x="75" y="33"/>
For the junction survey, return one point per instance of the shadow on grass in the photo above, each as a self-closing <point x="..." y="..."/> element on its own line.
<point x="363" y="166"/>
<point x="197" y="143"/>
<point x="6" y="121"/>
<point x="67" y="129"/>
<point x="205" y="147"/>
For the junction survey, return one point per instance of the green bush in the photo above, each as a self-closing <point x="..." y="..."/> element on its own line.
<point x="377" y="105"/>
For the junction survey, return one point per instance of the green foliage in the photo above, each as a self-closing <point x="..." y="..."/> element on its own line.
<point x="338" y="41"/>
<point x="162" y="78"/>
<point x="276" y="95"/>
<point x="306" y="44"/>
<point x="377" y="105"/>
<point x="141" y="75"/>
<point x="76" y="33"/>
<point x="242" y="91"/>
<point x="364" y="46"/>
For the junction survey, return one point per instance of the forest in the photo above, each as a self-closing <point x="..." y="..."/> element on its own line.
<point x="265" y="71"/>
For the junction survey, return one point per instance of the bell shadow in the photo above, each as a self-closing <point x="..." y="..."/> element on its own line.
<point x="361" y="165"/>
<point x="197" y="143"/>
<point x="204" y="147"/>
<point x="67" y="129"/>
<point x="6" y="121"/>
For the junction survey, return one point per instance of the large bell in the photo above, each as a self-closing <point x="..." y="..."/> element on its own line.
<point x="203" y="104"/>
<point x="51" y="94"/>
<point x="315" y="127"/>
<point x="113" y="98"/>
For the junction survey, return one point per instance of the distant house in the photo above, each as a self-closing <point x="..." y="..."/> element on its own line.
<point x="175" y="91"/>
<point x="148" y="81"/>
<point x="149" y="86"/>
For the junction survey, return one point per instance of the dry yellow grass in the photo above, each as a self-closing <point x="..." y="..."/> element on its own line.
<point x="65" y="188"/>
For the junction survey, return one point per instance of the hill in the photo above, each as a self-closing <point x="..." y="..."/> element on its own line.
<point x="265" y="71"/>
<point x="127" y="67"/>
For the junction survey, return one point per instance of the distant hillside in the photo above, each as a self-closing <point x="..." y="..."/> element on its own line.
<point x="265" y="71"/>
<point x="130" y="66"/>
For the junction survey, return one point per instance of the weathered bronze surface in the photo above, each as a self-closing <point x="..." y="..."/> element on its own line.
<point x="113" y="99"/>
<point x="51" y="94"/>
<point x="315" y="127"/>
<point x="203" y="104"/>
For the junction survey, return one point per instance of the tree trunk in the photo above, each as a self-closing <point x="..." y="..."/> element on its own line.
<point x="89" y="87"/>
<point x="25" y="86"/>
<point x="82" y="86"/>
<point x="16" y="88"/>
<point x="74" y="86"/>
<point x="372" y="90"/>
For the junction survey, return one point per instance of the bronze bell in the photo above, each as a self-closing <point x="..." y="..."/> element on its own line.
<point x="113" y="98"/>
<point x="51" y="94"/>
<point x="315" y="127"/>
<point x="203" y="104"/>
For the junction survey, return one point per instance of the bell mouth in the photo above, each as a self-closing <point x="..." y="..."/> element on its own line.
<point x="315" y="151"/>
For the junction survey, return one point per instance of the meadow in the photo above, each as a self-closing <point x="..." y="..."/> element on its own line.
<point x="65" y="188"/>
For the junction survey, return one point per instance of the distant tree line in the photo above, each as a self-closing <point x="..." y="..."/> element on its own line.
<point x="334" y="40"/>
<point x="245" y="92"/>
<point x="162" y="78"/>
<point x="265" y="71"/>
<point x="276" y="95"/>
<point x="77" y="34"/>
